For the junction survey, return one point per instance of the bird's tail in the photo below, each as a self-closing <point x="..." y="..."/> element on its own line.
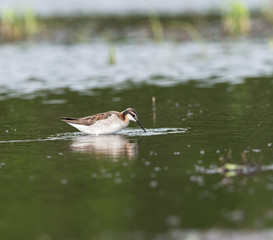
<point x="68" y="119"/>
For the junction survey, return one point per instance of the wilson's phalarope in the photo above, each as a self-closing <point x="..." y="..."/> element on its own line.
<point x="104" y="123"/>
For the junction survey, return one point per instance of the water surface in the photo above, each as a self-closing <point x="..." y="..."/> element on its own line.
<point x="85" y="67"/>
<point x="56" y="183"/>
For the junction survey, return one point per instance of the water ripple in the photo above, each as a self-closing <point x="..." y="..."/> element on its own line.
<point x="83" y="67"/>
<point x="127" y="132"/>
<point x="152" y="131"/>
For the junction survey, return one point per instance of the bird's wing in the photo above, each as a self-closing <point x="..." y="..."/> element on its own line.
<point x="90" y="120"/>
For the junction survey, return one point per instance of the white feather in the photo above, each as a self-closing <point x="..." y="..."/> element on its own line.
<point x="111" y="125"/>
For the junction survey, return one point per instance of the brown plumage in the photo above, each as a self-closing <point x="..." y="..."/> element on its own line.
<point x="128" y="111"/>
<point x="104" y="123"/>
<point x="90" y="120"/>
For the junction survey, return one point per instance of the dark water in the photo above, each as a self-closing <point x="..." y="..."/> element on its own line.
<point x="58" y="184"/>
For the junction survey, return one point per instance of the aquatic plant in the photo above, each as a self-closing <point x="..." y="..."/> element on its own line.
<point x="16" y="24"/>
<point x="154" y="109"/>
<point x="270" y="43"/>
<point x="192" y="31"/>
<point x="236" y="18"/>
<point x="112" y="55"/>
<point x="189" y="28"/>
<point x="157" y="28"/>
<point x="30" y="22"/>
<point x="268" y="15"/>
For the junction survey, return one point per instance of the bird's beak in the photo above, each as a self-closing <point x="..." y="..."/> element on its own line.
<point x="141" y="126"/>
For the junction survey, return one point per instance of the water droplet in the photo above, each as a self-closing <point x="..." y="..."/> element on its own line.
<point x="118" y="180"/>
<point x="258" y="223"/>
<point x="236" y="215"/>
<point x="269" y="186"/>
<point x="44" y="236"/>
<point x="173" y="221"/>
<point x="197" y="179"/>
<point x="108" y="175"/>
<point x="213" y="166"/>
<point x="64" y="181"/>
<point x="94" y="175"/>
<point x="116" y="99"/>
<point x="147" y="163"/>
<point x="153" y="175"/>
<point x="251" y="191"/>
<point x="129" y="212"/>
<point x="269" y="213"/>
<point x="157" y="169"/>
<point x="48" y="156"/>
<point x="189" y="114"/>
<point x="162" y="192"/>
<point x="269" y="144"/>
<point x="153" y="184"/>
<point x="132" y="175"/>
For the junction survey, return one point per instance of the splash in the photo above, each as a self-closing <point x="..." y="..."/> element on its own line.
<point x="152" y="131"/>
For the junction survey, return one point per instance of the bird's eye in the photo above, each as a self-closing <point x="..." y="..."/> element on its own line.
<point x="133" y="115"/>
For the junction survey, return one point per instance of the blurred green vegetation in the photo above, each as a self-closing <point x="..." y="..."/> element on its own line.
<point x="233" y="20"/>
<point x="18" y="24"/>
<point x="112" y="55"/>
<point x="236" y="18"/>
<point x="157" y="28"/>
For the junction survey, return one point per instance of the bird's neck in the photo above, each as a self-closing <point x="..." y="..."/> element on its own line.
<point x="125" y="118"/>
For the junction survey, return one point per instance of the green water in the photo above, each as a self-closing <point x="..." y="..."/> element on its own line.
<point x="136" y="186"/>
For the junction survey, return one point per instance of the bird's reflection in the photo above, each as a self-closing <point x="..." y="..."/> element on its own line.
<point x="113" y="146"/>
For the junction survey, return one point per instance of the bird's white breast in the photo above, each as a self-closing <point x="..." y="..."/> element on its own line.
<point x="110" y="125"/>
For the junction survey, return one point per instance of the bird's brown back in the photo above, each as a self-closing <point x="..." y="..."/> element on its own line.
<point x="90" y="120"/>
